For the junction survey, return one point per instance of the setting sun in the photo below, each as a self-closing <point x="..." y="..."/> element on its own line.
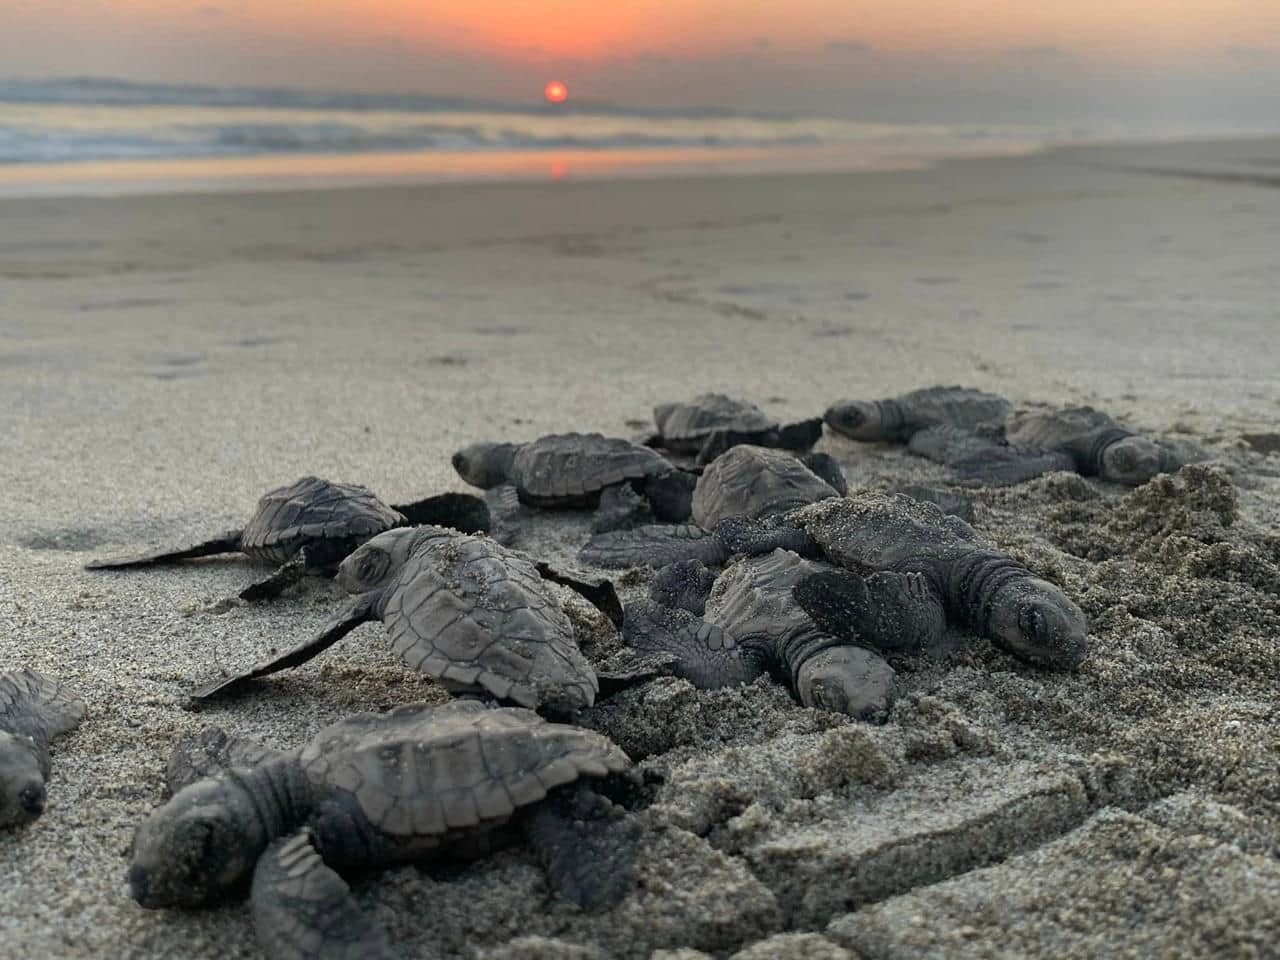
<point x="555" y="92"/>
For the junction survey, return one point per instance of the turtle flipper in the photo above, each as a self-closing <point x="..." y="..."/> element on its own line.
<point x="655" y="545"/>
<point x="888" y="610"/>
<point x="756" y="537"/>
<point x="827" y="468"/>
<point x="28" y="697"/>
<point x="800" y="435"/>
<point x="621" y="508"/>
<point x="286" y="575"/>
<point x="464" y="512"/>
<point x="685" y="584"/>
<point x="709" y="657"/>
<point x="228" y="542"/>
<point x="587" y="846"/>
<point x="598" y="590"/>
<point x="718" y="441"/>
<point x="303" y="910"/>
<point x="210" y="752"/>
<point x="629" y="668"/>
<point x="356" y="613"/>
<point x="503" y="503"/>
<point x="671" y="495"/>
<point x="1006" y="466"/>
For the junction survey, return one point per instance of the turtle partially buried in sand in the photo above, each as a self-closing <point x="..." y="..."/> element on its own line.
<point x="1077" y="439"/>
<point x="896" y="419"/>
<point x="711" y="423"/>
<point x="749" y="623"/>
<point x="568" y="470"/>
<point x="33" y="710"/>
<point x="419" y="783"/>
<point x="965" y="581"/>
<point x="310" y="526"/>
<point x="465" y="610"/>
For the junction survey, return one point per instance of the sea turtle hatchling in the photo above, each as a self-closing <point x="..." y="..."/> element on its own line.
<point x="573" y="470"/>
<point x="33" y="710"/>
<point x="751" y="624"/>
<point x="420" y="783"/>
<point x="711" y="423"/>
<point x="1077" y="439"/>
<point x="310" y="526"/>
<point x="977" y="587"/>
<point x="461" y="609"/>
<point x="745" y="482"/>
<point x="897" y="418"/>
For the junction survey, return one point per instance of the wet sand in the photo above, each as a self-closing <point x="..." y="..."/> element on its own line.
<point x="167" y="359"/>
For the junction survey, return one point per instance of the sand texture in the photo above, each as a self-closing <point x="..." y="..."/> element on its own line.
<point x="165" y="360"/>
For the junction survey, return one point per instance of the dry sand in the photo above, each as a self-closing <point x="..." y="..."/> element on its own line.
<point x="167" y="359"/>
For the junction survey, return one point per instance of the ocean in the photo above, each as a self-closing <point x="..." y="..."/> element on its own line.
<point x="90" y="135"/>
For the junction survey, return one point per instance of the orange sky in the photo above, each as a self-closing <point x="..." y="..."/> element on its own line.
<point x="664" y="51"/>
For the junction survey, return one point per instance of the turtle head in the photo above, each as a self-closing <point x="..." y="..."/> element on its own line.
<point x="379" y="559"/>
<point x="485" y="465"/>
<point x="21" y="780"/>
<point x="1132" y="460"/>
<point x="856" y="419"/>
<point x="1033" y="619"/>
<point x="848" y="680"/>
<point x="198" y="848"/>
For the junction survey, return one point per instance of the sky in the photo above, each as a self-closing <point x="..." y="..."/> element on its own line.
<point x="990" y="60"/>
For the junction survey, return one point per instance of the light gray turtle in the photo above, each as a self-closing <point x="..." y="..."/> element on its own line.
<point x="753" y="624"/>
<point x="310" y="526"/>
<point x="745" y="482"/>
<point x="711" y="423"/>
<point x="461" y="609"/>
<point x="977" y="587"/>
<point x="1077" y="439"/>
<point x="574" y="470"/>
<point x="33" y="710"/>
<point x="420" y="783"/>
<point x="897" y="418"/>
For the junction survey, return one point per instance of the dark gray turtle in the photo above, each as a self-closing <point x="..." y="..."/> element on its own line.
<point x="1077" y="439"/>
<point x="711" y="423"/>
<point x="464" y="610"/>
<point x="753" y="624"/>
<point x="979" y="588"/>
<point x="897" y="418"/>
<point x="745" y="482"/>
<point x="574" y="469"/>
<point x="310" y="526"/>
<point x="33" y="710"/>
<point x="420" y="783"/>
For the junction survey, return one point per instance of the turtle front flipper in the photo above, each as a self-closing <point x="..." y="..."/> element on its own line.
<point x="357" y="612"/>
<point x="503" y="503"/>
<point x="719" y="441"/>
<point x="800" y="435"/>
<point x="670" y="494"/>
<point x="1006" y="466"/>
<point x="587" y="846"/>
<point x="302" y="909"/>
<point x="891" y="611"/>
<point x="228" y="542"/>
<point x="210" y="752"/>
<point x="463" y="512"/>
<point x="709" y="657"/>
<point x="629" y="668"/>
<point x="28" y="697"/>
<point x="655" y="545"/>
<point x="599" y="591"/>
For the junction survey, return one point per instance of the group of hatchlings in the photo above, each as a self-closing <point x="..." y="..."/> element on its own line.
<point x="813" y="586"/>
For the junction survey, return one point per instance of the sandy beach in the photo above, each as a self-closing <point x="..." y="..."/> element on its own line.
<point x="166" y="359"/>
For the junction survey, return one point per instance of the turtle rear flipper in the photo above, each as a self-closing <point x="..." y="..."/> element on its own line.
<point x="1006" y="466"/>
<point x="286" y="575"/>
<point x="356" y="613"/>
<point x="228" y="542"/>
<point x="587" y="847"/>
<point x="888" y="610"/>
<point x="303" y="910"/>
<point x="464" y="512"/>
<point x="210" y="752"/>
